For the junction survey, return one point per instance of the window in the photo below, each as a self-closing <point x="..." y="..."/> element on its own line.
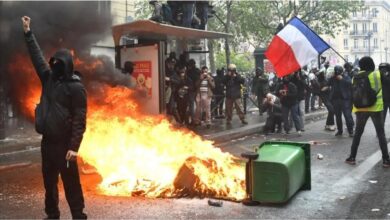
<point x="365" y="43"/>
<point x="355" y="29"/>
<point x="345" y="43"/>
<point x="364" y="27"/>
<point x="355" y="43"/>
<point x="364" y="12"/>
<point x="374" y="27"/>
<point x="374" y="12"/>
<point x="375" y="43"/>
<point x="354" y="14"/>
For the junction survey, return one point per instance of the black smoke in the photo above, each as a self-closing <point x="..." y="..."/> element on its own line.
<point x="72" y="25"/>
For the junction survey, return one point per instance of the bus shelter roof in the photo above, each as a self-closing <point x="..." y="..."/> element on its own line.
<point x="148" y="29"/>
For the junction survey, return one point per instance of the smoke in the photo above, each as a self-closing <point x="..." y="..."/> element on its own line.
<point x="72" y="25"/>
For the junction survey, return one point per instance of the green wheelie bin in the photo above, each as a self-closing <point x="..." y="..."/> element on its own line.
<point x="278" y="172"/>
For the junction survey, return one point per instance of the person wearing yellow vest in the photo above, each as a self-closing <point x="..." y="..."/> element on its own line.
<point x="374" y="112"/>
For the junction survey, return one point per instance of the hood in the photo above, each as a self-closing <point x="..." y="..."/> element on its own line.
<point x="66" y="57"/>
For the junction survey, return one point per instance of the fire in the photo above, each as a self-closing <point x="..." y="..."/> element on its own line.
<point x="143" y="155"/>
<point x="26" y="87"/>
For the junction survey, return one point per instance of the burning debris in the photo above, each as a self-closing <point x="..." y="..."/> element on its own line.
<point x="135" y="154"/>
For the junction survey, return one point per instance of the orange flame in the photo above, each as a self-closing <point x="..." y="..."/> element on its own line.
<point x="143" y="155"/>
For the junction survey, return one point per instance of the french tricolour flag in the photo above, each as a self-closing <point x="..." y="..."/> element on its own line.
<point x="294" y="47"/>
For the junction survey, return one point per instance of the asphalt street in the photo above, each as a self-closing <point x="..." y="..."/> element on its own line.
<point x="338" y="190"/>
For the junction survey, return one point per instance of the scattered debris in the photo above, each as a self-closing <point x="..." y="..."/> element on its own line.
<point x="373" y="181"/>
<point x="320" y="156"/>
<point x="216" y="203"/>
<point x="375" y="210"/>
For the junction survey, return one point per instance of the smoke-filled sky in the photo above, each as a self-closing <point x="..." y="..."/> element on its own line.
<point x="65" y="24"/>
<point x="56" y="24"/>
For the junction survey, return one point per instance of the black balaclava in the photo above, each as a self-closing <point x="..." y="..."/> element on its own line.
<point x="58" y="68"/>
<point x="61" y="64"/>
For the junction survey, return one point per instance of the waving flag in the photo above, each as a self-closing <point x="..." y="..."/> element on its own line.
<point x="294" y="47"/>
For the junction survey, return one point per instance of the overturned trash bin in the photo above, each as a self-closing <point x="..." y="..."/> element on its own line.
<point x="278" y="172"/>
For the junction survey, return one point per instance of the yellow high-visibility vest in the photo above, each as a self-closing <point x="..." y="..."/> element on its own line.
<point x="376" y="84"/>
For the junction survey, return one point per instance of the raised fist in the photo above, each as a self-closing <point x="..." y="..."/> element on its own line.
<point x="26" y="23"/>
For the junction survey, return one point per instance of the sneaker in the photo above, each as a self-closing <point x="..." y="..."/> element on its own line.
<point x="244" y="122"/>
<point x="332" y="128"/>
<point x="386" y="163"/>
<point x="350" y="160"/>
<point x="339" y="133"/>
<point x="300" y="133"/>
<point x="208" y="126"/>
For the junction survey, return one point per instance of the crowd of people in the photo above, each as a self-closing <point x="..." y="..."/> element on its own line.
<point x="195" y="95"/>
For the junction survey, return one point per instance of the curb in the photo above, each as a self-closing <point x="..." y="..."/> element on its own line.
<point x="228" y="135"/>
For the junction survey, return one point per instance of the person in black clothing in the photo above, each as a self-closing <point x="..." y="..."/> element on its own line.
<point x="183" y="88"/>
<point x="340" y="94"/>
<point x="61" y="119"/>
<point x="384" y="69"/>
<point x="288" y="94"/>
<point x="348" y="69"/>
<point x="260" y="87"/>
<point x="193" y="73"/>
<point x="320" y="88"/>
<point x="367" y="67"/>
<point x="169" y="89"/>
<point x="219" y="93"/>
<point x="233" y="82"/>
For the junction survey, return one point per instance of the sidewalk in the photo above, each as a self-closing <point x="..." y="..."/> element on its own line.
<point x="21" y="135"/>
<point x="220" y="132"/>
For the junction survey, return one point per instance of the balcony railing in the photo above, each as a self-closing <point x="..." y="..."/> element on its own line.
<point x="360" y="33"/>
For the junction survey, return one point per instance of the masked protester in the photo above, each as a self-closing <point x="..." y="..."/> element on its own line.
<point x="373" y="111"/>
<point x="384" y="69"/>
<point x="183" y="88"/>
<point x="288" y="94"/>
<point x="219" y="93"/>
<point x="61" y="119"/>
<point x="233" y="82"/>
<point x="340" y="95"/>
<point x="260" y="87"/>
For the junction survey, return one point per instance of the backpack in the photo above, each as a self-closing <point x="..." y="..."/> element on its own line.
<point x="363" y="95"/>
<point x="60" y="122"/>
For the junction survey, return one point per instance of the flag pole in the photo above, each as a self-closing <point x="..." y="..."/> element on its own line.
<point x="339" y="54"/>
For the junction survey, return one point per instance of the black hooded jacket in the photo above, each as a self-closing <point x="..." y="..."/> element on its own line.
<point x="63" y="103"/>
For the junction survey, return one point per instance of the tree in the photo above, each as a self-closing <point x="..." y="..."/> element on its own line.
<point x="244" y="61"/>
<point x="259" y="19"/>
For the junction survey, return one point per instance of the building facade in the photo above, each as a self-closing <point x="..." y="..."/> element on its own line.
<point x="368" y="34"/>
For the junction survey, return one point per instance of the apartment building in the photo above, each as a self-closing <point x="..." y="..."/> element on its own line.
<point x="368" y="34"/>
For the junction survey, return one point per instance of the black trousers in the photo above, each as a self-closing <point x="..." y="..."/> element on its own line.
<point x="386" y="108"/>
<point x="217" y="105"/>
<point x="329" y="107"/>
<point x="54" y="163"/>
<point x="377" y="119"/>
<point x="182" y="106"/>
<point x="342" y="107"/>
<point x="272" y="122"/>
